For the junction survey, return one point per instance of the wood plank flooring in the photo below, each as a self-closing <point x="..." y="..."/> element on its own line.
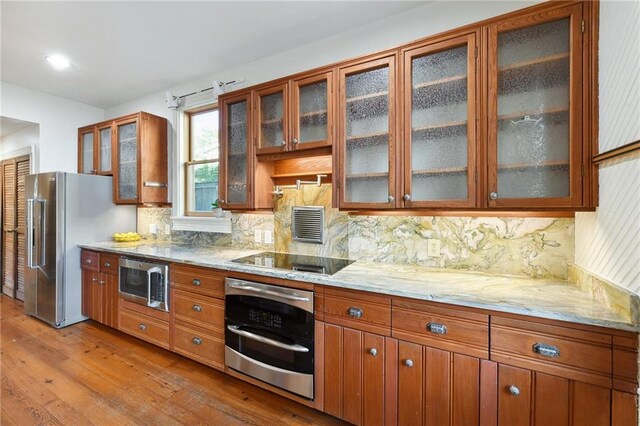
<point x="90" y="374"/>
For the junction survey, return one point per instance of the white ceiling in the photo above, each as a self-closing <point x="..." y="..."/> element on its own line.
<point x="11" y="125"/>
<point x="123" y="50"/>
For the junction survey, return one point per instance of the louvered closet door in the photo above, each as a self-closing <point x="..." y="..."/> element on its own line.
<point x="14" y="173"/>
<point x="8" y="226"/>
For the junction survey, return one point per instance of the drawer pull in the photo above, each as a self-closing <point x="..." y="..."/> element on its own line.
<point x="103" y="282"/>
<point x="514" y="390"/>
<point x="197" y="308"/>
<point x="88" y="261"/>
<point x="373" y="351"/>
<point x="107" y="265"/>
<point x="546" y="350"/>
<point x="196" y="282"/>
<point x="355" y="312"/>
<point x="94" y="280"/>
<point x="437" y="328"/>
<point x="142" y="327"/>
<point x="197" y="341"/>
<point x="408" y="363"/>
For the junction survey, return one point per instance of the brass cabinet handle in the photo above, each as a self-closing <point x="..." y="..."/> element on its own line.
<point x="514" y="390"/>
<point x="373" y="351"/>
<point x="437" y="328"/>
<point x="196" y="341"/>
<point x="355" y="312"/>
<point x="102" y="282"/>
<point x="94" y="280"/>
<point x="197" y="308"/>
<point x="142" y="327"/>
<point x="408" y="363"/>
<point x="196" y="282"/>
<point x="546" y="350"/>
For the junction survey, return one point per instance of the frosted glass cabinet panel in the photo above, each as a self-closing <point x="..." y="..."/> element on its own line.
<point x="312" y="108"/>
<point x="86" y="152"/>
<point x="236" y="151"/>
<point x="104" y="153"/>
<point x="366" y="109"/>
<point x="127" y="176"/>
<point x="535" y="114"/>
<point x="440" y="111"/>
<point x="272" y="109"/>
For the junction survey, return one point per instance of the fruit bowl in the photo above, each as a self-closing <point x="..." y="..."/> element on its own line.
<point x="126" y="237"/>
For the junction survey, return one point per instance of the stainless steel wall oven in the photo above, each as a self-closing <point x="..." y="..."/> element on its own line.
<point x="269" y="332"/>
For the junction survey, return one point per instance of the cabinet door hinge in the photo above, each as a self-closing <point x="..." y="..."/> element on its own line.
<point x="582" y="25"/>
<point x="475" y="52"/>
<point x="476" y="176"/>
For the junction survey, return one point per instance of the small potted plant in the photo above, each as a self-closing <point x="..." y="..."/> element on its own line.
<point x="217" y="210"/>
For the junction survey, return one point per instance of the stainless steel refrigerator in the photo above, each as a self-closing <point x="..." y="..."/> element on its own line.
<point x="62" y="211"/>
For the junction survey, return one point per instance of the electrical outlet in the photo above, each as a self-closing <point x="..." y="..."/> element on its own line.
<point x="257" y="236"/>
<point x="153" y="228"/>
<point x="167" y="229"/>
<point x="268" y="236"/>
<point x="433" y="247"/>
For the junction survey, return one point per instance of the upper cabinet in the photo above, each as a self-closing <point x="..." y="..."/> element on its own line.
<point x="134" y="150"/>
<point x="500" y="115"/>
<point x="94" y="149"/>
<point x="366" y="134"/>
<point x="535" y="110"/>
<point x="294" y="115"/>
<point x="439" y="88"/>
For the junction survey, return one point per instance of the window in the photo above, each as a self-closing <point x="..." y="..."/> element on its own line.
<point x="202" y="161"/>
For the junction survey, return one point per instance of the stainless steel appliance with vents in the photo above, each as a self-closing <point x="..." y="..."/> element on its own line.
<point x="145" y="283"/>
<point x="307" y="224"/>
<point x="269" y="334"/>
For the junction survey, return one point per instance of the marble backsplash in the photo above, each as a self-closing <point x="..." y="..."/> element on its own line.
<point x="533" y="247"/>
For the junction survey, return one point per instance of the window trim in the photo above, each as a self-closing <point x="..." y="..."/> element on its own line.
<point x="187" y="115"/>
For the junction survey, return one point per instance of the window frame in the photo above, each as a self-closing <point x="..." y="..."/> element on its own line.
<point x="186" y="188"/>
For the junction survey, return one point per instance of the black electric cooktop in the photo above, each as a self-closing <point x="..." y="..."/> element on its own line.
<point x="295" y="262"/>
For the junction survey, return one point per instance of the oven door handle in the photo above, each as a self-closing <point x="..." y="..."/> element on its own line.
<point x="295" y="348"/>
<point x="150" y="271"/>
<point x="269" y="292"/>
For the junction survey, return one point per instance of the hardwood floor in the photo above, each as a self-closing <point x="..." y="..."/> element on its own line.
<point x="90" y="374"/>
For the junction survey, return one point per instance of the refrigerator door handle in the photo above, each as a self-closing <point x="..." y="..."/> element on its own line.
<point x="30" y="232"/>
<point x="43" y="232"/>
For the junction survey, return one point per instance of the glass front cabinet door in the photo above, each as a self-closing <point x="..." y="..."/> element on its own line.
<point x="127" y="176"/>
<point x="312" y="112"/>
<point x="534" y="111"/>
<point x="86" y="151"/>
<point x="236" y="152"/>
<point x="272" y="108"/>
<point x="440" y="123"/>
<point x="104" y="163"/>
<point x="366" y="134"/>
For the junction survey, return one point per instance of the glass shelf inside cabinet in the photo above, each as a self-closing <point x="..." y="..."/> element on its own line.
<point x="367" y="137"/>
<point x="439" y="109"/>
<point x="533" y="111"/>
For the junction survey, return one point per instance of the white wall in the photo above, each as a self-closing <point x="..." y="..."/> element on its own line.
<point x="58" y="118"/>
<point x="24" y="138"/>
<point x="608" y="241"/>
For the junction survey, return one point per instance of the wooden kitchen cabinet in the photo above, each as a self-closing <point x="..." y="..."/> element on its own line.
<point x="535" y="110"/>
<point x="294" y="115"/>
<point x="357" y="385"/>
<point x="140" y="174"/>
<point x="367" y="134"/>
<point x="100" y="297"/>
<point x="440" y="109"/>
<point x="95" y="147"/>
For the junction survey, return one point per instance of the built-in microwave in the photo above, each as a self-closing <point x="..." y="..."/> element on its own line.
<point x="145" y="283"/>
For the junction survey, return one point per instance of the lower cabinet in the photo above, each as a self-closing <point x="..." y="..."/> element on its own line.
<point x="145" y="323"/>
<point x="528" y="397"/>
<point x="437" y="387"/>
<point x="357" y="385"/>
<point x="100" y="297"/>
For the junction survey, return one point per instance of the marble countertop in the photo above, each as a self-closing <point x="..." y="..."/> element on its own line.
<point x="553" y="299"/>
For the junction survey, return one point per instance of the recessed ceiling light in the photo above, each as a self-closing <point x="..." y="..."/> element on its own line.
<point x="59" y="62"/>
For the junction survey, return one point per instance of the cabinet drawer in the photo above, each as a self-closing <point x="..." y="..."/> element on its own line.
<point x="442" y="327"/>
<point x="109" y="263"/>
<point x="90" y="260"/>
<point x="358" y="310"/>
<point x="199" y="345"/>
<point x="570" y="353"/>
<point x="145" y="327"/>
<point x="200" y="310"/>
<point x="198" y="280"/>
